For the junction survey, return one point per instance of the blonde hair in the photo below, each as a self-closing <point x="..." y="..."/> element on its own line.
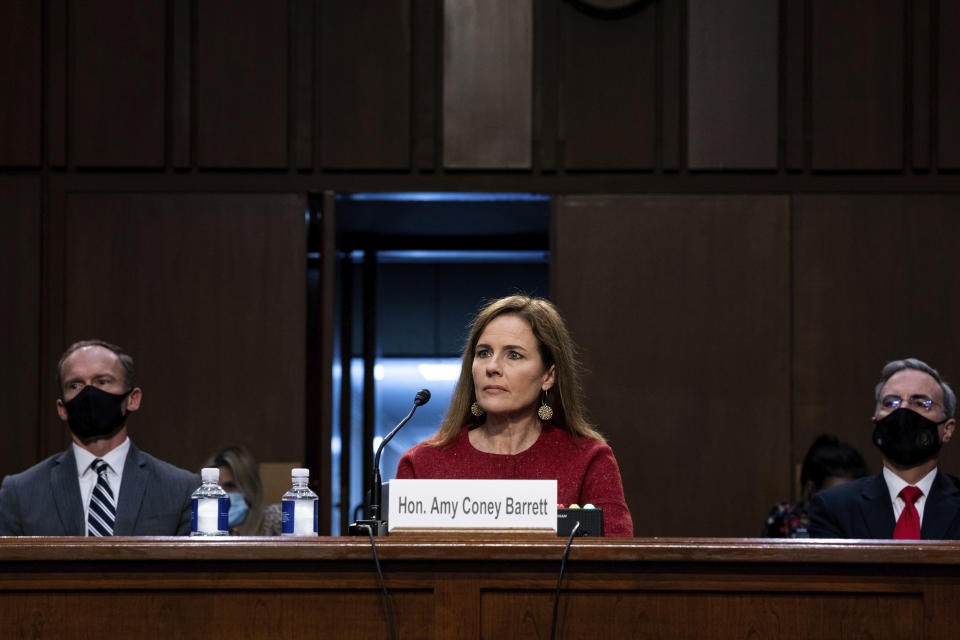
<point x="246" y="475"/>
<point x="556" y="348"/>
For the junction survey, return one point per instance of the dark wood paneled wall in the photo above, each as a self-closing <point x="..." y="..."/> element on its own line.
<point x="219" y="281"/>
<point x="686" y="332"/>
<point x="20" y="251"/>
<point x="21" y="71"/>
<point x="155" y="160"/>
<point x="117" y="88"/>
<point x="732" y="85"/>
<point x="873" y="280"/>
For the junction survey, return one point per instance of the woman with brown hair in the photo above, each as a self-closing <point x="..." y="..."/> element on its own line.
<point x="517" y="413"/>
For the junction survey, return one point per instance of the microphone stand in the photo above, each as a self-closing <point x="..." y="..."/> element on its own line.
<point x="376" y="524"/>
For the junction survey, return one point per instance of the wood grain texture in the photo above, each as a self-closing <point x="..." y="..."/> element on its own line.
<point x="732" y="79"/>
<point x="304" y="54"/>
<point x="117" y="73"/>
<point x="671" y="43"/>
<point x="181" y="89"/>
<point x="948" y="87"/>
<point x="873" y="276"/>
<point x="858" y="556"/>
<point x="546" y="83"/>
<point x="608" y="90"/>
<point x="795" y="94"/>
<point x="425" y="90"/>
<point x="207" y="614"/>
<point x="242" y="84"/>
<point x="365" y="60"/>
<point x="487" y="84"/>
<point x="857" y="97"/>
<point x="20" y="251"/>
<point x="55" y="95"/>
<point x="921" y="81"/>
<point x="479" y="586"/>
<point x="700" y="615"/>
<point x="207" y="293"/>
<point x="21" y="57"/>
<point x="681" y="306"/>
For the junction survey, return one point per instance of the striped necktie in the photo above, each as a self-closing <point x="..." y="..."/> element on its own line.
<point x="102" y="511"/>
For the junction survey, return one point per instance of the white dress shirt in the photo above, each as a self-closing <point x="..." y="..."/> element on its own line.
<point x="896" y="484"/>
<point x="88" y="477"/>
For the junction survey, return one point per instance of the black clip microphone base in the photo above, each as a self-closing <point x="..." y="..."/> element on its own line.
<point x="363" y="527"/>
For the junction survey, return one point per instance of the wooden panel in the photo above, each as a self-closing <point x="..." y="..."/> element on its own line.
<point x="207" y="292"/>
<point x="546" y="110"/>
<point x="473" y="586"/>
<point x="689" y="615"/>
<point x="948" y="90"/>
<point x="672" y="43"/>
<point x="732" y="84"/>
<point x="365" y="84"/>
<point x="857" y="85"/>
<point x="681" y="306"/>
<point x="426" y="76"/>
<point x="874" y="277"/>
<point x="487" y="83"/>
<point x="921" y="80"/>
<point x="795" y="83"/>
<point x="206" y="614"/>
<point x="608" y="93"/>
<point x="21" y="73"/>
<point x="117" y="82"/>
<point x="304" y="25"/>
<point x="52" y="437"/>
<point x="241" y="83"/>
<point x="20" y="320"/>
<point x="180" y="85"/>
<point x="55" y="99"/>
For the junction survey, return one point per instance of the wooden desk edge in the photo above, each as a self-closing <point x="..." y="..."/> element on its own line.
<point x="481" y="547"/>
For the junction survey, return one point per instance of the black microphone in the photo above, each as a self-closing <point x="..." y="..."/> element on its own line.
<point x="375" y="523"/>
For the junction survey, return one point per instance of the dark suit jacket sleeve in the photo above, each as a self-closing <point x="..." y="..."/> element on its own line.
<point x="10" y="522"/>
<point x="176" y="487"/>
<point x="157" y="501"/>
<point x="185" y="512"/>
<point x="823" y="518"/>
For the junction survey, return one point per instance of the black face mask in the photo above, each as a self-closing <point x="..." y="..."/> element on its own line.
<point x="95" y="413"/>
<point x="907" y="438"/>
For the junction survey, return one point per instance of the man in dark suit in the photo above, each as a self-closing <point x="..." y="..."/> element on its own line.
<point x="102" y="484"/>
<point x="911" y="498"/>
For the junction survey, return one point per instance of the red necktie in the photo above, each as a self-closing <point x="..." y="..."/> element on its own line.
<point x="908" y="526"/>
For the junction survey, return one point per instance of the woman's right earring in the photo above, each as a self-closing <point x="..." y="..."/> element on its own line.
<point x="476" y="410"/>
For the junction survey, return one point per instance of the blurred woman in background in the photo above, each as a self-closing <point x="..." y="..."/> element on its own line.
<point x="828" y="463"/>
<point x="240" y="478"/>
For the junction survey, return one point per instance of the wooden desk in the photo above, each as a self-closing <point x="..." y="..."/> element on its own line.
<point x="477" y="587"/>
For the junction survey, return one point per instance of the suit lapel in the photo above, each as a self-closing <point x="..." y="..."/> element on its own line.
<point x="132" y="487"/>
<point x="941" y="508"/>
<point x="66" y="493"/>
<point x="876" y="509"/>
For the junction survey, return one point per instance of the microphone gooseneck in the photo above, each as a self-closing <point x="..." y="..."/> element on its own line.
<point x="376" y="487"/>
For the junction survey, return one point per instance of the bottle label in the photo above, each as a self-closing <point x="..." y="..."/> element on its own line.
<point x="286" y="517"/>
<point x="299" y="517"/>
<point x="210" y="515"/>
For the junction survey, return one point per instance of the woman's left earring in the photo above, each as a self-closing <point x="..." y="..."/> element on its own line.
<point x="545" y="412"/>
<point x="476" y="410"/>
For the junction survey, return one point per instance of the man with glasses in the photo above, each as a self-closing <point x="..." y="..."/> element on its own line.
<point x="911" y="498"/>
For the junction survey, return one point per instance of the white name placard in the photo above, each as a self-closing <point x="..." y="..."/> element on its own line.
<point x="471" y="504"/>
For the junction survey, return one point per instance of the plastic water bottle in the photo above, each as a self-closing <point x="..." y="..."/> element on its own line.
<point x="210" y="506"/>
<point x="299" y="507"/>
